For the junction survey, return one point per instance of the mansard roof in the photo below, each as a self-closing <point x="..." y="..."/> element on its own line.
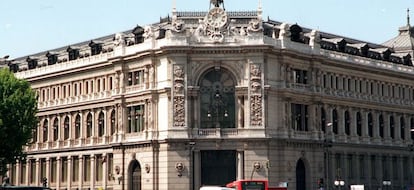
<point x="404" y="42"/>
<point x="395" y="50"/>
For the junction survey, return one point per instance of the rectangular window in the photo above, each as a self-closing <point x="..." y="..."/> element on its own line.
<point x="64" y="170"/>
<point x="405" y="172"/>
<point x="75" y="169"/>
<point x="110" y="158"/>
<point x="136" y="78"/>
<point x="136" y="119"/>
<point x="361" y="166"/>
<point x="86" y="168"/>
<point x="33" y="173"/>
<point x="23" y="172"/>
<point x="299" y="117"/>
<point x="300" y="76"/>
<point x="395" y="168"/>
<point x="42" y="168"/>
<point x="53" y="171"/>
<point x="384" y="168"/>
<point x="373" y="167"/>
<point x="350" y="167"/>
<point x="99" y="168"/>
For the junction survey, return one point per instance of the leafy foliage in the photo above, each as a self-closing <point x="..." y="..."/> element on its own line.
<point x="18" y="108"/>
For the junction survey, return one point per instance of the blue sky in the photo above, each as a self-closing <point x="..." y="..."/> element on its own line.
<point x="32" y="26"/>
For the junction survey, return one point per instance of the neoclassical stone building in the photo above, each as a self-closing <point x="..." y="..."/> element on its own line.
<point x="205" y="98"/>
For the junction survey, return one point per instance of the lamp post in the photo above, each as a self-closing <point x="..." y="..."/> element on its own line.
<point x="339" y="184"/>
<point x="386" y="184"/>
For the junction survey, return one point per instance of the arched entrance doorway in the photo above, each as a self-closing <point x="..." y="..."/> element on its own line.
<point x="300" y="175"/>
<point x="217" y="99"/>
<point x="134" y="175"/>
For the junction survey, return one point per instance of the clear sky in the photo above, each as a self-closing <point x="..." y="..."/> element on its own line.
<point x="31" y="26"/>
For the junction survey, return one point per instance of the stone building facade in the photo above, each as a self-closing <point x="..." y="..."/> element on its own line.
<point x="205" y="98"/>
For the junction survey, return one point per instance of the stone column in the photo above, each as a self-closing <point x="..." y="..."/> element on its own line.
<point x="387" y="135"/>
<point x="375" y="118"/>
<point x="240" y="111"/>
<point x="81" y="167"/>
<point x="48" y="172"/>
<point x="27" y="172"/>
<point x="93" y="169"/>
<point x="58" y="172"/>
<point x="197" y="169"/>
<point x="38" y="177"/>
<point x="69" y="170"/>
<point x="341" y="123"/>
<point x="353" y="125"/>
<point x="397" y="128"/>
<point x="329" y="120"/>
<point x="104" y="170"/>
<point x="365" y="135"/>
<point x="240" y="165"/>
<point x="17" y="175"/>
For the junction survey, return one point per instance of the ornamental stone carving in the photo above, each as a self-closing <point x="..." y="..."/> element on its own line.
<point x="256" y="114"/>
<point x="179" y="98"/>
<point x="119" y="39"/>
<point x="256" y="102"/>
<point x="254" y="26"/>
<point x="178" y="26"/>
<point x="179" y="111"/>
<point x="148" y="32"/>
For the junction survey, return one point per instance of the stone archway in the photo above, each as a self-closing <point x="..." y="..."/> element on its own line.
<point x="217" y="99"/>
<point x="134" y="175"/>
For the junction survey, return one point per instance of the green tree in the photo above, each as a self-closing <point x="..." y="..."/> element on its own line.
<point x="18" y="108"/>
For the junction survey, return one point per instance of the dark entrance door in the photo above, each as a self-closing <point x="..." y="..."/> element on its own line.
<point x="134" y="173"/>
<point x="218" y="167"/>
<point x="300" y="176"/>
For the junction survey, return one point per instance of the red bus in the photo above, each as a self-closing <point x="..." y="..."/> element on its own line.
<point x="249" y="185"/>
<point x="252" y="185"/>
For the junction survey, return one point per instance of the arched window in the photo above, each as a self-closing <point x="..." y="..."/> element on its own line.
<point x="359" y="124"/>
<point x="402" y="128"/>
<point x="217" y="99"/>
<point x="347" y="123"/>
<point x="56" y="129"/>
<point x="323" y="120"/>
<point x="66" y="128"/>
<point x="392" y="127"/>
<point x="77" y="127"/>
<point x="335" y="121"/>
<point x="89" y="126"/>
<point x="45" y="130"/>
<point x="381" y="126"/>
<point x="370" y="125"/>
<point x="101" y="124"/>
<point x="113" y="122"/>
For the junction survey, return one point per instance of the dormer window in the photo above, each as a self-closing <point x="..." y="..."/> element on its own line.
<point x="31" y="63"/>
<point x="14" y="67"/>
<point x="73" y="53"/>
<point x="296" y="33"/>
<point x="138" y="34"/>
<point x="96" y="48"/>
<point x="51" y="59"/>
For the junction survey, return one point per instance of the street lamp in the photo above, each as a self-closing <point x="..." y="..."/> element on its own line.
<point x="339" y="184"/>
<point x="386" y="184"/>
